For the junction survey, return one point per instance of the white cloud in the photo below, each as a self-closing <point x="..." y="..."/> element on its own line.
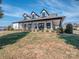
<point x="69" y="8"/>
<point x="13" y="11"/>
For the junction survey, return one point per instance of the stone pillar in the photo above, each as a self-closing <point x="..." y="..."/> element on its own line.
<point x="37" y="27"/>
<point x="33" y="27"/>
<point x="51" y="27"/>
<point x="45" y="27"/>
<point x="22" y="26"/>
<point x="26" y="27"/>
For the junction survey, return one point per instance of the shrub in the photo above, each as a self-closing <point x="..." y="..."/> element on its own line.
<point x="69" y="29"/>
<point x="9" y="28"/>
<point x="60" y="30"/>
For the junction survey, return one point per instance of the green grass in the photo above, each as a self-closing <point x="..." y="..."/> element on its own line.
<point x="11" y="38"/>
<point x="71" y="39"/>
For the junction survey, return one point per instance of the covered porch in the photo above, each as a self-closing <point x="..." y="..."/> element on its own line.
<point x="45" y="25"/>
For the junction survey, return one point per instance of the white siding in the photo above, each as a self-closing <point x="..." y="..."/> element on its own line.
<point x="15" y="26"/>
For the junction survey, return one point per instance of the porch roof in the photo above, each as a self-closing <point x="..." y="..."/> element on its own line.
<point x="42" y="19"/>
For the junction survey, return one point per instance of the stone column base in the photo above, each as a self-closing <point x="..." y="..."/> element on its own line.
<point x="45" y="30"/>
<point x="48" y="30"/>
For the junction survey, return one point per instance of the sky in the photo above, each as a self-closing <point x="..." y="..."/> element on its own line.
<point x="14" y="9"/>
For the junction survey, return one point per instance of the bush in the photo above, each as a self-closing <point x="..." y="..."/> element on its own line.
<point x="60" y="30"/>
<point x="9" y="28"/>
<point x="69" y="29"/>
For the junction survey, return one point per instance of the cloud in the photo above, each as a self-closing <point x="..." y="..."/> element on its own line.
<point x="68" y="8"/>
<point x="13" y="11"/>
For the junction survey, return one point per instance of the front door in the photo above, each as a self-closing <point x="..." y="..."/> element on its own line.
<point x="41" y="26"/>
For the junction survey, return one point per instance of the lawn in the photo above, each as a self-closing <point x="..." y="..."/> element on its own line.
<point x="38" y="45"/>
<point x="71" y="39"/>
<point x="11" y="38"/>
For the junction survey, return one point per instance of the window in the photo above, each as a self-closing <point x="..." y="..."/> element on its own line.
<point x="41" y="26"/>
<point x="35" y="26"/>
<point x="24" y="25"/>
<point x="43" y="14"/>
<point x="33" y="16"/>
<point x="48" y="25"/>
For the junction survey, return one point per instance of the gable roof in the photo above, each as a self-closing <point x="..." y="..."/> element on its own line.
<point x="25" y="15"/>
<point x="35" y="14"/>
<point x="45" y="11"/>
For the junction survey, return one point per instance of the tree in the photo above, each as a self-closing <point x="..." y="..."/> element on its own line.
<point x="9" y="28"/>
<point x="69" y="29"/>
<point x="1" y="12"/>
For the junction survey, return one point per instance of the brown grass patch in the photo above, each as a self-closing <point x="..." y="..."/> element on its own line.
<point x="40" y="46"/>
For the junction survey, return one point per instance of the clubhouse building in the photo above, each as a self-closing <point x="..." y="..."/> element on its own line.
<point x="34" y="22"/>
